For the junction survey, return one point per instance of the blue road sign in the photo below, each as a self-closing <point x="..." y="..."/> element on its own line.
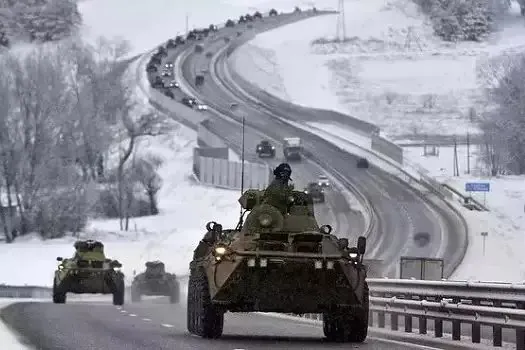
<point x="477" y="187"/>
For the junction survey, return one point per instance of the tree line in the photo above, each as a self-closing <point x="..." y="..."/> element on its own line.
<point x="69" y="132"/>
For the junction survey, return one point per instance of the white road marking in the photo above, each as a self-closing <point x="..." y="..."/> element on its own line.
<point x="167" y="325"/>
<point x="146" y="319"/>
<point x="123" y="311"/>
<point x="132" y="315"/>
<point x="119" y="308"/>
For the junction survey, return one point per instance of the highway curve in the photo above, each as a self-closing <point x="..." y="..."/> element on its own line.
<point x="336" y="211"/>
<point x="400" y="210"/>
<point x="155" y="324"/>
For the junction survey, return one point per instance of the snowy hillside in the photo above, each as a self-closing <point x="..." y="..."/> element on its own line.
<point x="392" y="71"/>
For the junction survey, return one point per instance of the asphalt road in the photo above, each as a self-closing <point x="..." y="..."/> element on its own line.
<point x="155" y="324"/>
<point x="346" y="221"/>
<point x="401" y="211"/>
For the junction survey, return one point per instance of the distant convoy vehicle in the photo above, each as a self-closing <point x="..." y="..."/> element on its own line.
<point x="315" y="191"/>
<point x="88" y="272"/>
<point x="258" y="266"/>
<point x="155" y="281"/>
<point x="323" y="181"/>
<point x="158" y="68"/>
<point x="265" y="149"/>
<point x="292" y="148"/>
<point x="362" y="163"/>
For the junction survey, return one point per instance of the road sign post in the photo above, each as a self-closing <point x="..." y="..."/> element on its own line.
<point x="478" y="187"/>
<point x="484" y="235"/>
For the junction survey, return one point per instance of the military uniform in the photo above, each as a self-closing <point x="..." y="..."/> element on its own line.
<point x="278" y="191"/>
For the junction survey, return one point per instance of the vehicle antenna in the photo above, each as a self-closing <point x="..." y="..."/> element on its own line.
<point x="242" y="172"/>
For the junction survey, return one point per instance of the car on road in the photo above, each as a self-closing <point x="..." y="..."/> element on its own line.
<point x="323" y="181"/>
<point x="172" y="85"/>
<point x="315" y="191"/>
<point x="168" y="65"/>
<point x="167" y="73"/>
<point x="189" y="101"/>
<point x="265" y="149"/>
<point x="362" y="163"/>
<point x="155" y="281"/>
<point x="171" y="44"/>
<point x="89" y="271"/>
<point x="201" y="106"/>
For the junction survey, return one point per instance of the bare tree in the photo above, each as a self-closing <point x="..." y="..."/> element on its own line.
<point x="145" y="170"/>
<point x="504" y="123"/>
<point x="150" y="124"/>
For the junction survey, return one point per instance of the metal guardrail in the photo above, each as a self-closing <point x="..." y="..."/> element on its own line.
<point x="475" y="304"/>
<point x="497" y="305"/>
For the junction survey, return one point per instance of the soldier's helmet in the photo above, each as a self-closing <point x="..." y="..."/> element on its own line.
<point x="283" y="171"/>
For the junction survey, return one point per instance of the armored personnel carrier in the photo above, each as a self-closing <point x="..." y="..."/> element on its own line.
<point x="155" y="281"/>
<point x="88" y="272"/>
<point x="278" y="260"/>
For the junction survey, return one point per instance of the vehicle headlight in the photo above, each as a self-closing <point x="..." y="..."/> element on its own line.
<point x="220" y="250"/>
<point x="306" y="191"/>
<point x="273" y="147"/>
<point x="265" y="220"/>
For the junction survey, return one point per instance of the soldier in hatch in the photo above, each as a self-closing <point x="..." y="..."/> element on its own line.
<point x="279" y="191"/>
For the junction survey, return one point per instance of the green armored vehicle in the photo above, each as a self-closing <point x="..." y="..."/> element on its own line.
<point x="278" y="260"/>
<point x="155" y="281"/>
<point x="88" y="272"/>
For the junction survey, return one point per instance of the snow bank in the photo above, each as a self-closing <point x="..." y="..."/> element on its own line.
<point x="8" y="338"/>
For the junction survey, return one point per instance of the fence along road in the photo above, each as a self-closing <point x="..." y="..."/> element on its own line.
<point x="401" y="211"/>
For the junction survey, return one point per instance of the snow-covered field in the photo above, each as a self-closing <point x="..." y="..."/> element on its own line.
<point x="393" y="71"/>
<point x="505" y="223"/>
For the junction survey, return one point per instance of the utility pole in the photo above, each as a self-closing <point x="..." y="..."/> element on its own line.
<point x="187" y="23"/>
<point x="468" y="152"/>
<point x="341" y="25"/>
<point x="455" y="160"/>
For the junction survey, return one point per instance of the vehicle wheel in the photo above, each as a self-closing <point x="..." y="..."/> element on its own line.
<point x="174" y="293"/>
<point x="59" y="297"/>
<point x="348" y="324"/>
<point x="118" y="293"/>
<point x="204" y="318"/>
<point x="190" y="305"/>
<point x="135" y="294"/>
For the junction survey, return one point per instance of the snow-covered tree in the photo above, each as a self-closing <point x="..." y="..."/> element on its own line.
<point x="504" y="124"/>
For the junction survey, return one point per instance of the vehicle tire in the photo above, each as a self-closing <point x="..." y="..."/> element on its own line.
<point x="59" y="297"/>
<point x="174" y="293"/>
<point x="190" y="305"/>
<point x="206" y="320"/>
<point x="119" y="290"/>
<point x="348" y="324"/>
<point x="136" y="296"/>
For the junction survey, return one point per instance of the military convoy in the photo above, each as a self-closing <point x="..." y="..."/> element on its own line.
<point x="88" y="271"/>
<point x="278" y="260"/>
<point x="155" y="281"/>
<point x="292" y="148"/>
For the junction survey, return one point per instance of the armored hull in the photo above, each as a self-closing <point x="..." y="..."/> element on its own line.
<point x="270" y="282"/>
